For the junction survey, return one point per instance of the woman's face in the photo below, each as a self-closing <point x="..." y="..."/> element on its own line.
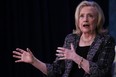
<point x="87" y="19"/>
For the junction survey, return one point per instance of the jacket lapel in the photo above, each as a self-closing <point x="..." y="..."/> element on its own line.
<point x="69" y="63"/>
<point x="94" y="47"/>
<point x="92" y="51"/>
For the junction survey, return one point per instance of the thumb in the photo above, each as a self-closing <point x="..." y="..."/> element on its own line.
<point x="72" y="47"/>
<point x="29" y="50"/>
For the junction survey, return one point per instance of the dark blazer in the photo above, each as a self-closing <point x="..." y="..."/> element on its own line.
<point x="100" y="56"/>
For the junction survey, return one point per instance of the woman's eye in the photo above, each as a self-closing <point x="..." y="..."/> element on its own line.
<point x="90" y="15"/>
<point x="81" y="16"/>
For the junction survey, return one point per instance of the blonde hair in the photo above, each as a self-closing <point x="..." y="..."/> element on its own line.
<point x="100" y="18"/>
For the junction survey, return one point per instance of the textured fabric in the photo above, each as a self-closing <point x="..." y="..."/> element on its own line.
<point x="100" y="56"/>
<point x="114" y="65"/>
<point x="75" y="71"/>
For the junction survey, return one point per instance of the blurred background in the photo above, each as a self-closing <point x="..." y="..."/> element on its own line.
<point x="40" y="25"/>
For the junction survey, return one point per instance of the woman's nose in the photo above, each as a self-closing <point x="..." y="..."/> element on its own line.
<point x="85" y="18"/>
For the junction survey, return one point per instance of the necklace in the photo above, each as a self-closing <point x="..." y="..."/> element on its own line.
<point x="87" y="40"/>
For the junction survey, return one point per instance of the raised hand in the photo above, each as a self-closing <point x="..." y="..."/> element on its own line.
<point x="23" y="56"/>
<point x="64" y="53"/>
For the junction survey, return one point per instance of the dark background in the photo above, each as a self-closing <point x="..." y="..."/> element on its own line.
<point x="40" y="25"/>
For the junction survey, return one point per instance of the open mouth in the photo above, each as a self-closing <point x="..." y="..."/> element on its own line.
<point x="86" y="25"/>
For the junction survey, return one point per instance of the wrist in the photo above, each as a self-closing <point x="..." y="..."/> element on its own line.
<point x="80" y="63"/>
<point x="33" y="61"/>
<point x="79" y="60"/>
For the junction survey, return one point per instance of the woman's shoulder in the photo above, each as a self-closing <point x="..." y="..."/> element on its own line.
<point x="72" y="35"/>
<point x="107" y="37"/>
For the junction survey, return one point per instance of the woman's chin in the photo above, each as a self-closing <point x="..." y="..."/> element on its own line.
<point x="86" y="31"/>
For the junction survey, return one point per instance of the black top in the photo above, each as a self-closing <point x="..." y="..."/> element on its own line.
<point x="76" y="72"/>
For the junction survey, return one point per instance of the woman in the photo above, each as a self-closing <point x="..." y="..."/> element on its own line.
<point x="87" y="52"/>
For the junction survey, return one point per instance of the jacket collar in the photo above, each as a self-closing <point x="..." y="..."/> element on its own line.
<point x="93" y="48"/>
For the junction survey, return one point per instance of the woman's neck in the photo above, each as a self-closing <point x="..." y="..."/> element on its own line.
<point x="86" y="39"/>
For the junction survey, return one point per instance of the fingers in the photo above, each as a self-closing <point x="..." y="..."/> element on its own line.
<point x="61" y="58"/>
<point x="60" y="55"/>
<point x="61" y="48"/>
<point x="20" y="50"/>
<point x="18" y="61"/>
<point x="29" y="50"/>
<point x="59" y="51"/>
<point x="17" y="53"/>
<point x="22" y="55"/>
<point x="15" y="56"/>
<point x="72" y="47"/>
<point x="65" y="53"/>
